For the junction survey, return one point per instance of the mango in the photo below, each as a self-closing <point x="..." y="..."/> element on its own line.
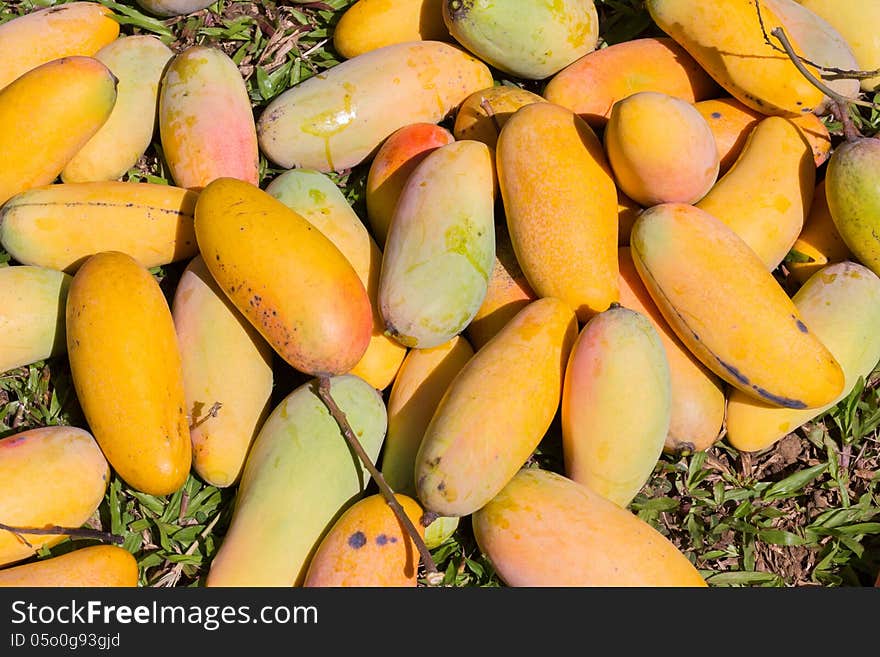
<point x="49" y="476"/>
<point x="300" y="475"/>
<point x="482" y="114"/>
<point x="93" y="566"/>
<point x="726" y="40"/>
<point x="319" y="201"/>
<point x="206" y="123"/>
<point x="698" y="395"/>
<point x="167" y="8"/>
<point x="616" y="404"/>
<point x="370" y="24"/>
<point x="392" y="165"/>
<point x="841" y="305"/>
<point x="368" y="546"/>
<point x="41" y="35"/>
<point x="560" y="201"/>
<point x="32" y="302"/>
<point x="661" y="149"/>
<point x="527" y="40"/>
<point x="544" y="529"/>
<point x="491" y="418"/>
<point x="59" y="105"/>
<point x="227" y="375"/>
<point x="61" y="225"/>
<point x="440" y="246"/>
<point x="336" y="119"/>
<point x="592" y="84"/>
<point x="137" y="62"/>
<point x="767" y="193"/>
<point x="441" y="529"/>
<point x="819" y="243"/>
<point x="286" y="277"/>
<point x="729" y="310"/>
<point x="126" y="369"/>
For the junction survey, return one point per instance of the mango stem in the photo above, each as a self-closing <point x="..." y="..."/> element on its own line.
<point x="80" y="532"/>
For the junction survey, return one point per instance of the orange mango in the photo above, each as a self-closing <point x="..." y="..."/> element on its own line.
<point x="819" y="244"/>
<point x="93" y="566"/>
<point x="370" y="24"/>
<point x="482" y="114"/>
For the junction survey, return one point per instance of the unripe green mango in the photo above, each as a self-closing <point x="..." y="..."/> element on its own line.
<point x="166" y="8"/>
<point x="299" y="476"/>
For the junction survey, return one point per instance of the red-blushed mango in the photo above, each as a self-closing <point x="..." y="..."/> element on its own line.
<point x="392" y="165"/>
<point x="227" y="375"/>
<point x="61" y="225"/>
<point x="206" y="123"/>
<point x="300" y="475"/>
<point x="368" y="546"/>
<point x="491" y="418"/>
<point x="58" y="106"/>
<point x="38" y="37"/>
<point x="138" y="62"/>
<point x="544" y="529"/>
<point x="616" y="404"/>
<point x="698" y="395"/>
<point x="93" y="566"/>
<point x="370" y="24"/>
<point x="841" y="304"/>
<point x="560" y="201"/>
<point x="661" y="149"/>
<point x="49" y="476"/>
<point x="440" y="246"/>
<point x="591" y="85"/>
<point x="627" y="212"/>
<point x="482" y="114"/>
<point x="319" y="201"/>
<point x="168" y="8"/>
<point x="285" y="276"/>
<point x="336" y="119"/>
<point x="744" y="326"/>
<point x="126" y="369"/>
<point x="32" y="301"/>
<point x="819" y="244"/>
<point x="766" y="194"/>
<point x="726" y="39"/>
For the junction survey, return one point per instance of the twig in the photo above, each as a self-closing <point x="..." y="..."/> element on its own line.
<point x="81" y="532"/>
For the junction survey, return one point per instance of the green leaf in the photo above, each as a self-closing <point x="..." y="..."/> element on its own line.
<point x="794" y="483"/>
<point x="779" y="537"/>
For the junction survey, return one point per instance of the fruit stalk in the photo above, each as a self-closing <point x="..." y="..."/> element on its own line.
<point x="81" y="532"/>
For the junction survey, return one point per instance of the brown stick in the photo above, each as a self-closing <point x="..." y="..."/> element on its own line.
<point x="80" y="532"/>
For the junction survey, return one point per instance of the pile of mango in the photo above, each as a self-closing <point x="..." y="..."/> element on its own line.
<point x="615" y="250"/>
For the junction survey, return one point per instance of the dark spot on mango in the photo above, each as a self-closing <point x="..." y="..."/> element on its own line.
<point x="716" y="115"/>
<point x="381" y="539"/>
<point x="357" y="540"/>
<point x="802" y="327"/>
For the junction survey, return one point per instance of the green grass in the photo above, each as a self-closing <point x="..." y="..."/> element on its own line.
<point x="805" y="512"/>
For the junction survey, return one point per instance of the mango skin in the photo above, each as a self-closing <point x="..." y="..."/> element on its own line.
<point x="38" y="37"/>
<point x="299" y="476"/>
<point x="491" y="418"/>
<point x="440" y="246"/>
<point x="560" y="201"/>
<point x="32" y="325"/>
<point x="482" y="114"/>
<point x="531" y="41"/>
<point x="126" y="369"/>
<point x="288" y="279"/>
<point x="544" y="529"/>
<point x="167" y="8"/>
<point x="59" y="105"/>
<point x="225" y="361"/>
<point x="660" y="149"/>
<point x="743" y="327"/>
<point x="819" y="244"/>
<point x="206" y="122"/>
<point x="137" y="62"/>
<point x="841" y="304"/>
<point x="93" y="566"/>
<point x="320" y="202"/>
<point x="53" y="475"/>
<point x="368" y="546"/>
<point x="370" y="24"/>
<point x="61" y="225"/>
<point x="335" y="120"/>
<point x="592" y="84"/>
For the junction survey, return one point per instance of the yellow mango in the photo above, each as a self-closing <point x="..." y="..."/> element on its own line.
<point x="560" y="201"/>
<point x="126" y="369"/>
<point x="491" y="418"/>
<point x="819" y="243"/>
<point x="370" y="24"/>
<point x="482" y="114"/>
<point x="92" y="566"/>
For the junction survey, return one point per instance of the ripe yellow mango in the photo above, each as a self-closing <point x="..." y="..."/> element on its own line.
<point x="819" y="244"/>
<point x="126" y="369"/>
<point x="336" y="119"/>
<point x="58" y="106"/>
<point x="482" y="114"/>
<point x="841" y="305"/>
<point x="49" y="476"/>
<point x="370" y="24"/>
<point x="560" y="202"/>
<point x="285" y="276"/>
<point x="729" y="310"/>
<point x="544" y="529"/>
<point x="93" y="566"/>
<point x="492" y="418"/>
